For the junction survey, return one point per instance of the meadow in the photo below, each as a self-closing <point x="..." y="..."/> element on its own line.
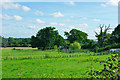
<point x="33" y="63"/>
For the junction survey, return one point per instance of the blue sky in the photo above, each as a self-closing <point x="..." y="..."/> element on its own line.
<point x="24" y="19"/>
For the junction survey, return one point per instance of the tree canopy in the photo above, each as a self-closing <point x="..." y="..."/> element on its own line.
<point x="102" y="36"/>
<point x="116" y="34"/>
<point x="75" y="46"/>
<point x="76" y="35"/>
<point x="47" y="38"/>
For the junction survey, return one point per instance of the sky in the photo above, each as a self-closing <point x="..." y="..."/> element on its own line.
<point x="24" y="19"/>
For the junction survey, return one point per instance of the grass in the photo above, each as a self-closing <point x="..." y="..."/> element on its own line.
<point x="48" y="64"/>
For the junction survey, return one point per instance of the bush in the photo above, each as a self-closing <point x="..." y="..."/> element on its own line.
<point x="111" y="69"/>
<point x="75" y="46"/>
<point x="55" y="47"/>
<point x="14" y="49"/>
<point x="116" y="45"/>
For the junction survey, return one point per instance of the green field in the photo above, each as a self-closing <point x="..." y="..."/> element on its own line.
<point x="33" y="63"/>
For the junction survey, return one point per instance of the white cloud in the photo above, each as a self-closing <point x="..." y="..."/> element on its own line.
<point x="67" y="30"/>
<point x="9" y="5"/>
<point x="18" y="18"/>
<point x="53" y="23"/>
<point x="96" y="20"/>
<point x="70" y="3"/>
<point x="103" y="5"/>
<point x="71" y="16"/>
<point x="62" y="24"/>
<point x="39" y="21"/>
<point x="111" y="2"/>
<point x="6" y="17"/>
<point x="39" y="13"/>
<point x="57" y="14"/>
<point x="33" y="27"/>
<point x="71" y="26"/>
<point x="25" y="8"/>
<point x="83" y="25"/>
<point x="85" y="18"/>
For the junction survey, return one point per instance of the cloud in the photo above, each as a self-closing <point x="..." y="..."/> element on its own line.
<point x="96" y="20"/>
<point x="62" y="24"/>
<point x="111" y="2"/>
<point x="10" y="5"/>
<point x="67" y="30"/>
<point x="103" y="5"/>
<point x="71" y="16"/>
<point x="83" y="25"/>
<point x="71" y="26"/>
<point x="57" y="14"/>
<point x="18" y="18"/>
<point x="6" y="17"/>
<point x="53" y="23"/>
<point x="33" y="27"/>
<point x="25" y="8"/>
<point x="39" y="21"/>
<point x="85" y="18"/>
<point x="39" y="13"/>
<point x="71" y="3"/>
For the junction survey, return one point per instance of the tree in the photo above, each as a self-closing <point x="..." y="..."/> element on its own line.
<point x="59" y="41"/>
<point x="75" y="46"/>
<point x="102" y="36"/>
<point x="76" y="35"/>
<point x="47" y="38"/>
<point x="116" y="34"/>
<point x="89" y="44"/>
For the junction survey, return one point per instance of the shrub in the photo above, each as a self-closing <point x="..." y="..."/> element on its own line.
<point x="55" y="47"/>
<point x="111" y="69"/>
<point x="14" y="49"/>
<point x="75" y="46"/>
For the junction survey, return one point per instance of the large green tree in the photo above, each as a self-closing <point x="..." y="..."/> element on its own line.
<point x="76" y="35"/>
<point x="89" y="44"/>
<point x="47" y="38"/>
<point x="103" y="36"/>
<point x="116" y="34"/>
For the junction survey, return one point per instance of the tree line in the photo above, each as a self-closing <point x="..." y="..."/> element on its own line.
<point x="15" y="42"/>
<point x="49" y="38"/>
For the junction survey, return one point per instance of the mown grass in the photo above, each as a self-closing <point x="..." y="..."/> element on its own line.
<point x="52" y="66"/>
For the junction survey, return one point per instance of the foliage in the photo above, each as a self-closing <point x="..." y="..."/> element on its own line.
<point x="55" y="47"/>
<point x="47" y="38"/>
<point x="111" y="69"/>
<point x="89" y="44"/>
<point x="76" y="35"/>
<point x="115" y="45"/>
<point x="15" y="42"/>
<point x="102" y="36"/>
<point x="75" y="46"/>
<point x="116" y="34"/>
